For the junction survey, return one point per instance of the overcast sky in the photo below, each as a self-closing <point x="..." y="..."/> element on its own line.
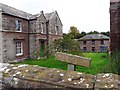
<point x="86" y="15"/>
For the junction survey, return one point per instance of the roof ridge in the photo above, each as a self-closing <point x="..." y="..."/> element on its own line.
<point x="94" y="36"/>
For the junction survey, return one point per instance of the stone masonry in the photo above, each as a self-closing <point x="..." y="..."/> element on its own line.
<point x="115" y="25"/>
<point x="0" y="36"/>
<point x="73" y="59"/>
<point x="35" y="77"/>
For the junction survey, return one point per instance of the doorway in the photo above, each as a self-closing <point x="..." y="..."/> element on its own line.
<point x="42" y="47"/>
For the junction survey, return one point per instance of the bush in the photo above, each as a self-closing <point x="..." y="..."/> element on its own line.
<point x="114" y="63"/>
<point x="67" y="45"/>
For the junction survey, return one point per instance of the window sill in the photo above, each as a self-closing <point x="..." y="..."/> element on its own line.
<point x="18" y="31"/>
<point x="43" y="33"/>
<point x="19" y="54"/>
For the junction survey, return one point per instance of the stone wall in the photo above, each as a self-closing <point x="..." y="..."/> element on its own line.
<point x="1" y="37"/>
<point x="53" y="37"/>
<point x="0" y="20"/>
<point x="36" y="33"/>
<point x="33" y="76"/>
<point x="73" y="59"/>
<point x="115" y="25"/>
<point x="10" y="36"/>
<point x="1" y="54"/>
<point x="32" y="45"/>
<point x="9" y="23"/>
<point x="32" y="26"/>
<point x="55" y="21"/>
<point x="9" y="46"/>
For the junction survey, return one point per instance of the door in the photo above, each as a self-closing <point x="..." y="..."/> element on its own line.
<point x="42" y="47"/>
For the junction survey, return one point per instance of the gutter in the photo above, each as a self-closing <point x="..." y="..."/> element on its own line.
<point x="28" y="41"/>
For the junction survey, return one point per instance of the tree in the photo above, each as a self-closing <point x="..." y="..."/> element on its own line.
<point x="74" y="33"/>
<point x="67" y="45"/>
<point x="106" y="33"/>
<point x="93" y="32"/>
<point x="82" y="34"/>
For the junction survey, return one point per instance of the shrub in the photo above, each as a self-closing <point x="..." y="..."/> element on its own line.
<point x="114" y="63"/>
<point x="67" y="45"/>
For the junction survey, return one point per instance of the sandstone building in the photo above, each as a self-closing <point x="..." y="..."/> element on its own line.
<point x="21" y="33"/>
<point x="94" y="43"/>
<point x="115" y="25"/>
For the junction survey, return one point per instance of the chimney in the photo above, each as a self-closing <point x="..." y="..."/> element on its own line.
<point x="41" y="12"/>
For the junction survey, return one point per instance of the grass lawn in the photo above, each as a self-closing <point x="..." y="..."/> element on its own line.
<point x="99" y="61"/>
<point x="98" y="64"/>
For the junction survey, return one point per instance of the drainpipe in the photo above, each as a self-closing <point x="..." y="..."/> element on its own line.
<point x="47" y="36"/>
<point x="28" y="41"/>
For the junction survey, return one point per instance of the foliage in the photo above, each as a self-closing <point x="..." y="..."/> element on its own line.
<point x="74" y="33"/>
<point x="106" y="33"/>
<point x="93" y="32"/>
<point x="114" y="63"/>
<point x="97" y="65"/>
<point x="82" y="34"/>
<point x="35" y="54"/>
<point x="41" y="54"/>
<point x="67" y="45"/>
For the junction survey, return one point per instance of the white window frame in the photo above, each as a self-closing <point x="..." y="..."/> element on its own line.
<point x="19" y="47"/>
<point x="18" y="26"/>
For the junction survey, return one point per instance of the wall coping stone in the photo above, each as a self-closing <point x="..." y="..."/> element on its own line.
<point x="33" y="76"/>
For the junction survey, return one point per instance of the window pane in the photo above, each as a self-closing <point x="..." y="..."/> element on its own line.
<point x="18" y="47"/>
<point x="18" y="25"/>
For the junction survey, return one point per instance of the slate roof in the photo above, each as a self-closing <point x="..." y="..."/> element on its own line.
<point x="18" y="13"/>
<point x="49" y="15"/>
<point x="15" y="12"/>
<point x="94" y="36"/>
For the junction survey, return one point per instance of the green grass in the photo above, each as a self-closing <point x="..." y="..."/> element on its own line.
<point x="98" y="64"/>
<point x="50" y="63"/>
<point x="99" y="61"/>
